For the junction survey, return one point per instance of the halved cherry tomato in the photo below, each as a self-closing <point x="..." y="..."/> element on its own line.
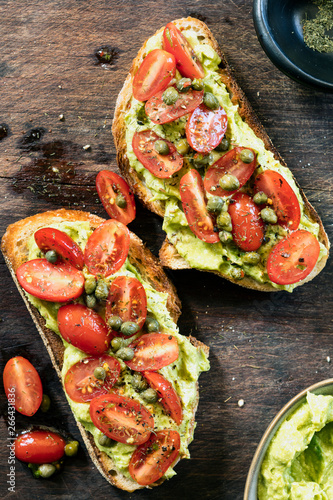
<point x="109" y="185"/>
<point x="163" y="166"/>
<point x="159" y="112"/>
<point x="187" y="62"/>
<point x="83" y="328"/>
<point x="122" y="419"/>
<point x="39" y="447"/>
<point x="247" y="225"/>
<point x="205" y="128"/>
<point x="153" y="458"/>
<point x="232" y="164"/>
<point x="49" y="238"/>
<point x="169" y="398"/>
<point x="155" y="73"/>
<point x="23" y="386"/>
<point x="107" y="248"/>
<point x="153" y="351"/>
<point x="285" y="202"/>
<point x="192" y="195"/>
<point x="293" y="258"/>
<point x="80" y="383"/>
<point x="127" y="299"/>
<point x="54" y="282"/>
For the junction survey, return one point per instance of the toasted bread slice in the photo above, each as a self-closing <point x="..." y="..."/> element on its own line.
<point x="15" y="250"/>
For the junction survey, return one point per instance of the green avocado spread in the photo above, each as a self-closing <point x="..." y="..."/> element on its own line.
<point x="223" y="257"/>
<point x="183" y="373"/>
<point x="298" y="464"/>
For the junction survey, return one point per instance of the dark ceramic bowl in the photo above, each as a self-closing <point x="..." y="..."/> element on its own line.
<point x="278" y="24"/>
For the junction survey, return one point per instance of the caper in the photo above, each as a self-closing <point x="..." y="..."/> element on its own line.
<point x="199" y="160"/>
<point x="215" y="204"/>
<point x="247" y="156"/>
<point x="229" y="182"/>
<point x="223" y="146"/>
<point x="46" y="470"/>
<point x="161" y="147"/>
<point x="101" y="291"/>
<point x="114" y="322"/>
<point x="121" y="201"/>
<point x="117" y="343"/>
<point x="170" y="96"/>
<point x="251" y="258"/>
<point x="210" y="101"/>
<point x="268" y="215"/>
<point x="35" y="470"/>
<point x="125" y="353"/>
<point x="213" y="157"/>
<point x="197" y="84"/>
<point x="139" y="383"/>
<point x="51" y="256"/>
<point x="151" y="324"/>
<point x="100" y="373"/>
<point x="71" y="448"/>
<point x="260" y="198"/>
<point x="104" y="440"/>
<point x="225" y="236"/>
<point x="184" y="84"/>
<point x="237" y="273"/>
<point x="149" y="395"/>
<point x="45" y="404"/>
<point x="129" y="328"/>
<point x="91" y="301"/>
<point x="223" y="221"/>
<point x="182" y="146"/>
<point x="90" y="285"/>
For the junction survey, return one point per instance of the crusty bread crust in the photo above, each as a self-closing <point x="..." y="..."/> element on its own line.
<point x="15" y="250"/>
<point x="169" y="256"/>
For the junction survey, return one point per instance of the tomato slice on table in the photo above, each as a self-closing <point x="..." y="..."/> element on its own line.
<point x="160" y="113"/>
<point x="169" y="397"/>
<point x="122" y="419"/>
<point x="83" y="328"/>
<point x="187" y="62"/>
<point x="193" y="199"/>
<point x="284" y="200"/>
<point x="107" y="248"/>
<point x="151" y="460"/>
<point x="109" y="185"/>
<point x="205" y="128"/>
<point x="230" y="163"/>
<point x="23" y="386"/>
<point x="39" y="447"/>
<point x="49" y="238"/>
<point x="54" y="282"/>
<point x="153" y="351"/>
<point x="155" y="73"/>
<point x="247" y="225"/>
<point x="80" y="383"/>
<point x="293" y="258"/>
<point x="162" y="166"/>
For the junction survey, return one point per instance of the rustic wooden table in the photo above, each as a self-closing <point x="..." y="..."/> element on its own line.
<point x="264" y="347"/>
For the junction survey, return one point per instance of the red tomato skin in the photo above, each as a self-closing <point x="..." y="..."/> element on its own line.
<point x="283" y="264"/>
<point x="155" y="73"/>
<point x="83" y="328"/>
<point x="53" y="282"/>
<point x="285" y="202"/>
<point x="107" y="248"/>
<point x="247" y="225"/>
<point x="187" y="62"/>
<point x="108" y="185"/>
<point x="162" y="166"/>
<point x="112" y="411"/>
<point x="160" y="113"/>
<point x="39" y="447"/>
<point x="205" y="128"/>
<point x="148" y="464"/>
<point x="83" y="371"/>
<point x="153" y="351"/>
<point x="23" y="386"/>
<point x="49" y="238"/>
<point x="169" y="397"/>
<point x="194" y="204"/>
<point x="229" y="163"/>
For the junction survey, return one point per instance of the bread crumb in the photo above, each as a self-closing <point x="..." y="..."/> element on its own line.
<point x="241" y="403"/>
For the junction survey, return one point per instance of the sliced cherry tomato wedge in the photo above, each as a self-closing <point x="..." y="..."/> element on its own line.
<point x="162" y="166"/>
<point x="54" y="282"/>
<point x="122" y="419"/>
<point x="83" y="328"/>
<point x="23" y="386"/>
<point x="205" y="128"/>
<point x="188" y="63"/>
<point x="80" y="383"/>
<point x="169" y="398"/>
<point x="247" y="225"/>
<point x="107" y="248"/>
<point x="153" y="458"/>
<point x="49" y="238"/>
<point x="285" y="202"/>
<point x="293" y="258"/>
<point x="155" y="73"/>
<point x="232" y="164"/>
<point x="39" y="447"/>
<point x="153" y="351"/>
<point x="160" y="113"/>
<point x="127" y="299"/>
<point x="193" y="199"/>
<point x="109" y="185"/>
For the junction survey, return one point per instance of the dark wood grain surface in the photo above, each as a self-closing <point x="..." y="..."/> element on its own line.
<point x="264" y="347"/>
